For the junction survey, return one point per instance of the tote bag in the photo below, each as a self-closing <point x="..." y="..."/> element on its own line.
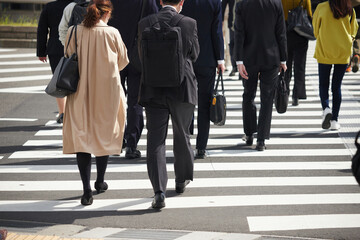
<point x="298" y="21"/>
<point x="66" y="75"/>
<point x="218" y="104"/>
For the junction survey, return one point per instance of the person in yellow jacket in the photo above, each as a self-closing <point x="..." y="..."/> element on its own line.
<point x="335" y="27"/>
<point x="297" y="47"/>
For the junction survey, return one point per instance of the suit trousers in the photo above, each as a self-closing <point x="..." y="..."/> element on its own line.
<point x="268" y="76"/>
<point x="157" y="120"/>
<point x="135" y="118"/>
<point x="206" y="79"/>
<point x="297" y="48"/>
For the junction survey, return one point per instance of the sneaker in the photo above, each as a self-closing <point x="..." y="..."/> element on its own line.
<point x="348" y="69"/>
<point x="327" y="115"/>
<point x="60" y="118"/>
<point x="355" y="61"/>
<point x="132" y="153"/>
<point x="334" y="125"/>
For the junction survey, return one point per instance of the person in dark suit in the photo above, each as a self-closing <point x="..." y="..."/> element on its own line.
<point x="231" y="4"/>
<point x="208" y="17"/>
<point x="125" y="18"/>
<point x="179" y="102"/>
<point x="49" y="21"/>
<point x="260" y="48"/>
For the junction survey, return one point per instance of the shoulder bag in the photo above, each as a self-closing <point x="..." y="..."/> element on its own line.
<point x="299" y="21"/>
<point x="218" y="104"/>
<point x="66" y="75"/>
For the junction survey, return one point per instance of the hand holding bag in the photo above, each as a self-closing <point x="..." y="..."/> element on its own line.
<point x="355" y="166"/>
<point x="298" y="21"/>
<point x="66" y="75"/>
<point x="281" y="94"/>
<point x="218" y="104"/>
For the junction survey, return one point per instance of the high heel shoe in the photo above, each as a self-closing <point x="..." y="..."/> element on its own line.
<point x="101" y="187"/>
<point x="87" y="198"/>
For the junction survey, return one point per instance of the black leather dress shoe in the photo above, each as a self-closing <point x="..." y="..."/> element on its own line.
<point x="158" y="201"/>
<point x="180" y="186"/>
<point x="87" y="198"/>
<point x="132" y="153"/>
<point x="248" y="140"/>
<point x="200" y="154"/>
<point x="101" y="187"/>
<point x="260" y="146"/>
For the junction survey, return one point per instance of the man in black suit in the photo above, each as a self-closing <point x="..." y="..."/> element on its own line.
<point x="125" y="17"/>
<point x="179" y="102"/>
<point x="209" y="22"/>
<point x="260" y="48"/>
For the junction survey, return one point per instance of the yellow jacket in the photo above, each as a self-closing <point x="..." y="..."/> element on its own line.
<point x="291" y="4"/>
<point x="334" y="36"/>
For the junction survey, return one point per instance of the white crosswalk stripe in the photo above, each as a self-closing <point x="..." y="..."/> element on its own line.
<point x="303" y="164"/>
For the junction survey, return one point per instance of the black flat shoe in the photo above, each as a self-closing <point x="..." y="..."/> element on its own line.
<point x="87" y="198"/>
<point x="248" y="140"/>
<point x="132" y="153"/>
<point x="158" y="201"/>
<point x="180" y="186"/>
<point x="101" y="187"/>
<point x="260" y="146"/>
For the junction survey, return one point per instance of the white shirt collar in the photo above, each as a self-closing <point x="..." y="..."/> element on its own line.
<point x="170" y="6"/>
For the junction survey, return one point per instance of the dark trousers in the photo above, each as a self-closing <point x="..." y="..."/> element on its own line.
<point x="268" y="80"/>
<point x="231" y="48"/>
<point x="324" y="82"/>
<point x="135" y="118"/>
<point x="206" y="79"/>
<point x="84" y="165"/>
<point x="157" y="120"/>
<point x="297" y="48"/>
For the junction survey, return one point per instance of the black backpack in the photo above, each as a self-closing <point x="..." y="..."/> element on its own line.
<point x="162" y="59"/>
<point x="78" y="13"/>
<point x="355" y="166"/>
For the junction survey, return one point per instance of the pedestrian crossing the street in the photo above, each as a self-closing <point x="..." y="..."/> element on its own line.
<point x="301" y="182"/>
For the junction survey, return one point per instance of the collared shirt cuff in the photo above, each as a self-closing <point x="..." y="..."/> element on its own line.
<point x="284" y="62"/>
<point x="239" y="63"/>
<point x="221" y="62"/>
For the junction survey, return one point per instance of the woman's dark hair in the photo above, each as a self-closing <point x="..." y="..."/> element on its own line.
<point x="95" y="11"/>
<point x="341" y="8"/>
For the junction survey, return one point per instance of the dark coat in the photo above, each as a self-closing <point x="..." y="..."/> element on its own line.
<point x="49" y="20"/>
<point x="209" y="22"/>
<point x="126" y="15"/>
<point x="260" y="33"/>
<point x="187" y="92"/>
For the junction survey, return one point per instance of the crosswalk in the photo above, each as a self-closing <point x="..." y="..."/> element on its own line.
<point x="303" y="178"/>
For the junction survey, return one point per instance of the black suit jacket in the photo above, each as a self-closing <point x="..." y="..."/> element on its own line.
<point x="207" y="14"/>
<point x="260" y="33"/>
<point x="126" y="15"/>
<point x="187" y="92"/>
<point x="49" y="20"/>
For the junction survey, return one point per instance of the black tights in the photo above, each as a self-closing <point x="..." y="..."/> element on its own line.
<point x="84" y="164"/>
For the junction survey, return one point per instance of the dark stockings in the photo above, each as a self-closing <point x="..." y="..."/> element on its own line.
<point x="84" y="164"/>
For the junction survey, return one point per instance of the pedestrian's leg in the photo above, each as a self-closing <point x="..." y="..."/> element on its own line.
<point x="299" y="90"/>
<point x="101" y="164"/>
<point x="338" y="74"/>
<point x="324" y="82"/>
<point x="84" y="165"/>
<point x="157" y="124"/>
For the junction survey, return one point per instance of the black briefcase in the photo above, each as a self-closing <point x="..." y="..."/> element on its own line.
<point x="355" y="166"/>
<point x="281" y="98"/>
<point x="218" y="104"/>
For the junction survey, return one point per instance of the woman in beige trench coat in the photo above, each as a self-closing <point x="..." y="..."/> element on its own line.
<point x="94" y="121"/>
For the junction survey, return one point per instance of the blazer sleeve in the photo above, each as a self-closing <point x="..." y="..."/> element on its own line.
<point x="42" y="33"/>
<point x="280" y="33"/>
<point x="195" y="47"/>
<point x="216" y="32"/>
<point x="239" y="36"/>
<point x="316" y="22"/>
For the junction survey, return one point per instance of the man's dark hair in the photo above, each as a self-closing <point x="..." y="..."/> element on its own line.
<point x="171" y="2"/>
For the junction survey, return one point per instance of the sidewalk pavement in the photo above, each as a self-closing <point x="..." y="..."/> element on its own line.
<point x="76" y="232"/>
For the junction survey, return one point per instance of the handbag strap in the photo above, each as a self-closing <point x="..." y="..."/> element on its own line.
<point x="71" y="33"/>
<point x="220" y="78"/>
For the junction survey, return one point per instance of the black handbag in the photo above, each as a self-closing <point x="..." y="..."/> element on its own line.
<point x="355" y="166"/>
<point x="281" y="94"/>
<point x="299" y="21"/>
<point x="66" y="75"/>
<point x="218" y="104"/>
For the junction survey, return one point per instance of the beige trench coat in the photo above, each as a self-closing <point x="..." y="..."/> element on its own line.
<point x="94" y="118"/>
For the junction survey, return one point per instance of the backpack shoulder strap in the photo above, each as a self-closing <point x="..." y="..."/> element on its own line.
<point x="176" y="19"/>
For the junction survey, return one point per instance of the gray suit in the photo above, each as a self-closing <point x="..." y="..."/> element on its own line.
<point x="179" y="102"/>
